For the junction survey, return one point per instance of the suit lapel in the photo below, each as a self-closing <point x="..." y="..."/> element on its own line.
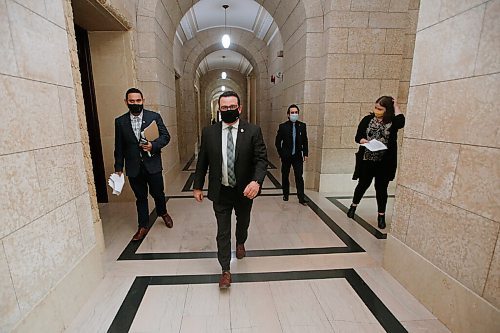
<point x="218" y="142"/>
<point x="146" y="120"/>
<point x="242" y="128"/>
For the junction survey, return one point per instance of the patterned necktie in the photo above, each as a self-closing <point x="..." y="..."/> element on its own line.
<point x="231" y="177"/>
<point x="293" y="137"/>
<point x="136" y="126"/>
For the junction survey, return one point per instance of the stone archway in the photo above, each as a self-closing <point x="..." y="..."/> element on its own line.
<point x="297" y="20"/>
<point x="194" y="51"/>
<point x="210" y="84"/>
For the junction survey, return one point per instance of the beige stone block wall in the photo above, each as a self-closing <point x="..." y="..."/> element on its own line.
<point x="301" y="37"/>
<point x="154" y="57"/>
<point x="367" y="55"/>
<point x="277" y="106"/>
<point x="446" y="217"/>
<point x="49" y="239"/>
<point x="442" y="294"/>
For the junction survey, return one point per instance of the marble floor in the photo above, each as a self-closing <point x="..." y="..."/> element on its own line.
<point x="308" y="269"/>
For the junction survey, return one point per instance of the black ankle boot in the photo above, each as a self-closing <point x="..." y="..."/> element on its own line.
<point x="381" y="221"/>
<point x="351" y="211"/>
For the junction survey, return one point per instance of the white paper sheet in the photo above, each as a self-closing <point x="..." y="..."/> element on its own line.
<point x="374" y="145"/>
<point x="116" y="183"/>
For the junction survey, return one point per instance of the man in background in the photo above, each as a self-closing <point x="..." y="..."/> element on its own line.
<point x="292" y="147"/>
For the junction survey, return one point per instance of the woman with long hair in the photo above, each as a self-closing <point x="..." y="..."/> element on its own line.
<point x="383" y="125"/>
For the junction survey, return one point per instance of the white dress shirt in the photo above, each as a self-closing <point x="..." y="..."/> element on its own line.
<point x="136" y="124"/>
<point x="234" y="132"/>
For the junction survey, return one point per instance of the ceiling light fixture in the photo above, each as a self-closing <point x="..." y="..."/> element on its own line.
<point x="223" y="88"/>
<point x="226" y="40"/>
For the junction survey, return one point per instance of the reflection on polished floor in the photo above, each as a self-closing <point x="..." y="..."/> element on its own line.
<point x="309" y="269"/>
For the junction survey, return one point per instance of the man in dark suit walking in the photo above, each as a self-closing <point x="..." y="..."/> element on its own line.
<point x="141" y="158"/>
<point x="291" y="143"/>
<point x="236" y="154"/>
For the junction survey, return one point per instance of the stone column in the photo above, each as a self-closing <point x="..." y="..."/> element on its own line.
<point x="444" y="245"/>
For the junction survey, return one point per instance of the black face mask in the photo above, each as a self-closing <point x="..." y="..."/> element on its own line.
<point x="230" y="116"/>
<point x="135" y="108"/>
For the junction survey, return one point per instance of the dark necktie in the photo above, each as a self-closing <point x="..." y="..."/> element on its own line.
<point x="231" y="177"/>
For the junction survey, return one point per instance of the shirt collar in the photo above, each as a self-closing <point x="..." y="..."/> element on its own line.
<point x="235" y="125"/>
<point x="132" y="117"/>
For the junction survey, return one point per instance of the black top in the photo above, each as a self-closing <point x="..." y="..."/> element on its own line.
<point x="250" y="158"/>
<point x="389" y="160"/>
<point x="284" y="139"/>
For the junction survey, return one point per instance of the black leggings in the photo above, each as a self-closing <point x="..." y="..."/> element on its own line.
<point x="370" y="170"/>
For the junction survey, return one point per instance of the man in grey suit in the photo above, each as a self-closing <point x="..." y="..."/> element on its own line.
<point x="235" y="152"/>
<point x="141" y="159"/>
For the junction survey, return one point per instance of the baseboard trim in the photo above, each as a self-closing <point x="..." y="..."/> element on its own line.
<point x="455" y="305"/>
<point x="57" y="310"/>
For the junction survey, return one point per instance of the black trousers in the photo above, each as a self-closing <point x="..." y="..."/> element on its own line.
<point x="140" y="186"/>
<point x="370" y="170"/>
<point x="298" y="168"/>
<point x="230" y="199"/>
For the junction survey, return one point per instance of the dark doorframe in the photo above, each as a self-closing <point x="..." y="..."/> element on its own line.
<point x="82" y="41"/>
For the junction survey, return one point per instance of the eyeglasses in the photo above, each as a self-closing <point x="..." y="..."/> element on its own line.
<point x="230" y="107"/>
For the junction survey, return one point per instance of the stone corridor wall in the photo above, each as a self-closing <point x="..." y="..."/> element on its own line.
<point x="447" y="213"/>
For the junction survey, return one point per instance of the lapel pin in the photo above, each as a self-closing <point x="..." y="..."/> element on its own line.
<point x="143" y="121"/>
<point x="242" y="130"/>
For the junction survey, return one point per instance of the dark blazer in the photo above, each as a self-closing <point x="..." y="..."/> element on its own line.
<point x="127" y="146"/>
<point x="250" y="158"/>
<point x="284" y="139"/>
<point x="390" y="159"/>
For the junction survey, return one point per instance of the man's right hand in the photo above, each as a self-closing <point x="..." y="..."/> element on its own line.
<point x="119" y="173"/>
<point x="198" y="195"/>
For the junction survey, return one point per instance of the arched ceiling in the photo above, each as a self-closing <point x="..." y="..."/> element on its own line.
<point x="232" y="60"/>
<point x="243" y="14"/>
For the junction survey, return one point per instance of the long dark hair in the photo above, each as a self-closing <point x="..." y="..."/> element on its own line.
<point x="388" y="103"/>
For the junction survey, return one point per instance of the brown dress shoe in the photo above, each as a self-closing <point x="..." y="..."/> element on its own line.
<point x="140" y="234"/>
<point x="225" y="280"/>
<point x="240" y="251"/>
<point x="168" y="220"/>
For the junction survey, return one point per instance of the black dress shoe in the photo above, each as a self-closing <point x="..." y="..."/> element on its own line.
<point x="285" y="198"/>
<point x="351" y="211"/>
<point x="303" y="201"/>
<point x="381" y="221"/>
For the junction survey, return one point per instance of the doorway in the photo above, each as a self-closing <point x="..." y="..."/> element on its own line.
<point x="82" y="41"/>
